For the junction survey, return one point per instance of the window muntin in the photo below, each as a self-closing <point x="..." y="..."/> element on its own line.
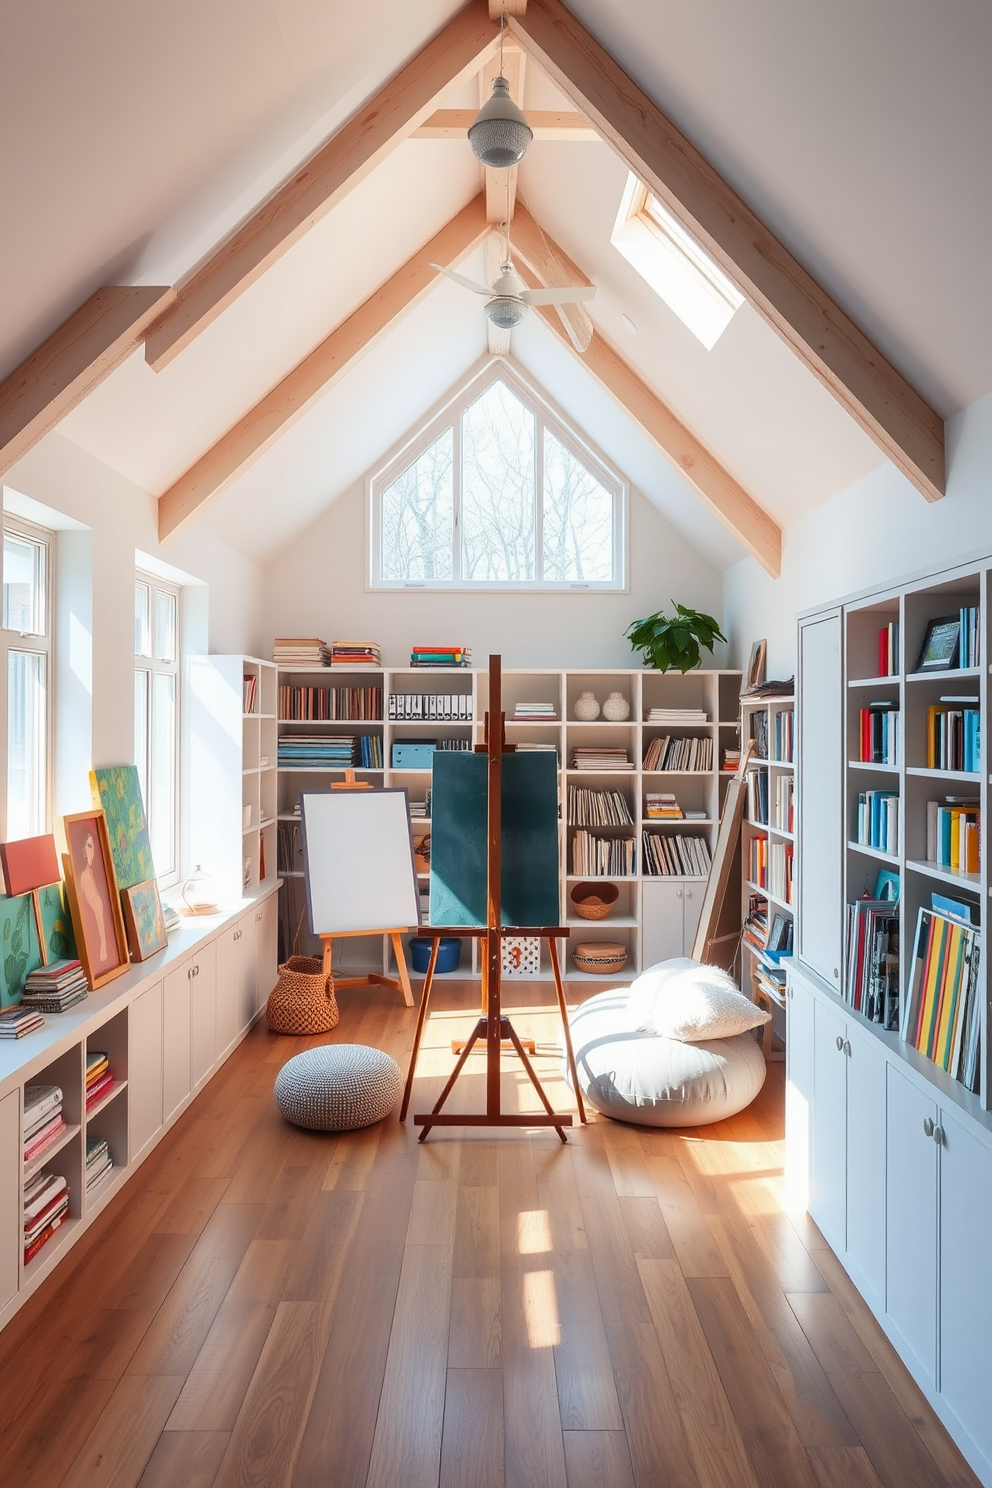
<point x="156" y="717"/>
<point x="26" y="643"/>
<point x="497" y="494"/>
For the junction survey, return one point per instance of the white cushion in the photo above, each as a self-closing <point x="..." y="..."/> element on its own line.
<point x="688" y="1001"/>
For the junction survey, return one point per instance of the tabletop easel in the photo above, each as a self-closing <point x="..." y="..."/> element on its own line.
<point x="493" y="1026"/>
<point x="400" y="983"/>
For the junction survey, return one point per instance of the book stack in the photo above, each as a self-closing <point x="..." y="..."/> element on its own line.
<point x="675" y="856"/>
<point x="879" y="734"/>
<point x="55" y="988"/>
<point x="731" y="761"/>
<point x="757" y="797"/>
<point x="878" y="820"/>
<point x="677" y="717"/>
<point x="603" y="857"/>
<point x="785" y="735"/>
<point x="953" y="735"/>
<point x="15" y="1022"/>
<point x="43" y="1121"/>
<point x="685" y="755"/>
<point x="329" y="704"/>
<point x="355" y="653"/>
<point x="441" y="656"/>
<point x="756" y="924"/>
<point x="888" y="649"/>
<point x="538" y="749"/>
<point x="46" y="1204"/>
<point x="942" y="1016"/>
<point x="953" y="834"/>
<point x="602" y="757"/>
<point x="421" y="810"/>
<point x="592" y="808"/>
<point x="250" y="692"/>
<point x="370" y="751"/>
<point x="99" y="1080"/>
<point x="301" y="653"/>
<point x="318" y="751"/>
<point x="871" y="967"/>
<point x="98" y="1162"/>
<point x="662" y="805"/>
<point x="540" y="711"/>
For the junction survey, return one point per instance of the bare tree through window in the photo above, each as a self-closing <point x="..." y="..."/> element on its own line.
<point x="498" y="439"/>
<point x="418" y="517"/>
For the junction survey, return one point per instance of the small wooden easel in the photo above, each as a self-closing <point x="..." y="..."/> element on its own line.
<point x="493" y="1026"/>
<point x="400" y="983"/>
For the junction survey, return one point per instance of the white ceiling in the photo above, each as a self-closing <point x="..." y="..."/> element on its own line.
<point x="860" y="134"/>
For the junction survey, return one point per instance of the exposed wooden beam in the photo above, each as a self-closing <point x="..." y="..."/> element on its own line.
<point x="547" y="124"/>
<point x="555" y="270"/>
<point x="252" y="435"/>
<point x="725" y="496"/>
<point x="862" y="380"/>
<point x="495" y="246"/>
<point x="510" y="7"/>
<point x="501" y="185"/>
<point x="72" y="362"/>
<point x="346" y="159"/>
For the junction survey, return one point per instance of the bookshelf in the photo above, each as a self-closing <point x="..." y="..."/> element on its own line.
<point x="768" y="843"/>
<point x="655" y="915"/>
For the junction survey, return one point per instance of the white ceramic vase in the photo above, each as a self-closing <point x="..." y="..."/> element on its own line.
<point x="616" y="708"/>
<point x="586" y="708"/>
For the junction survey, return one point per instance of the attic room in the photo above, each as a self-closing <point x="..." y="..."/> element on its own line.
<point x="539" y="449"/>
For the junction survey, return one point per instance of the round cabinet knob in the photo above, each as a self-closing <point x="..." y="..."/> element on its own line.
<point x="927" y="1126"/>
<point x="847" y="1048"/>
<point x="840" y="1044"/>
<point x="938" y="1135"/>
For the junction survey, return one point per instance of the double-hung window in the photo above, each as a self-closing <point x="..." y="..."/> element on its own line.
<point x="497" y="493"/>
<point x="27" y="630"/>
<point x="156" y="716"/>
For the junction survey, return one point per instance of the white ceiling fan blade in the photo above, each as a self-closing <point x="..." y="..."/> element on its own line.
<point x="568" y="296"/>
<point x="482" y="289"/>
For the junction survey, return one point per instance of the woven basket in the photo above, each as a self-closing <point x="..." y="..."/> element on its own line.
<point x="302" y="1000"/>
<point x="593" y="901"/>
<point x="599" y="957"/>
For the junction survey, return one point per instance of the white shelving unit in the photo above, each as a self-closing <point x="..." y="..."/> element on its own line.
<point x="654" y="916"/>
<point x="767" y="846"/>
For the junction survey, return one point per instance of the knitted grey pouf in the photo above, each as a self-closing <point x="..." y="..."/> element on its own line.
<point x="337" y="1087"/>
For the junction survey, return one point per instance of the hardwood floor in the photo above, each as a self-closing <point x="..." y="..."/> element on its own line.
<point x="274" y="1307"/>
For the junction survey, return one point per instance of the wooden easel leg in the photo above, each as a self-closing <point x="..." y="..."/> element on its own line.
<point x="401" y="969"/>
<point x="563" y="1009"/>
<point x="425" y="998"/>
<point x="508" y="1029"/>
<point x="480" y="1029"/>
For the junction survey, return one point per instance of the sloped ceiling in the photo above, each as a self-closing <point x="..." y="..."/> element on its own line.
<point x="145" y="133"/>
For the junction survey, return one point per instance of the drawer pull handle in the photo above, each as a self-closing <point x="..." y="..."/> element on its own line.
<point x="928" y="1126"/>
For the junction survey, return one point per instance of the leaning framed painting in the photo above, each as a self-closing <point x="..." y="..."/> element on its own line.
<point x="94" y="900"/>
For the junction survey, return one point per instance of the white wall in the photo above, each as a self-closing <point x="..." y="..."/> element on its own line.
<point x="318" y="588"/>
<point x="873" y="533"/>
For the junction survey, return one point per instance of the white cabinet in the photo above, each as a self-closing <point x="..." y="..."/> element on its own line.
<point x="965" y="1278"/>
<point x="267" y="948"/>
<point x="819" y="782"/>
<point x="828" y="1161"/>
<point x="866" y="1070"/>
<point x="798" y="1094"/>
<point x="911" y="1210"/>
<point x="245" y="938"/>
<point x="10" y="1177"/>
<point x="203" y="1014"/>
<point x="669" y="916"/>
<point x="176" y="1084"/>
<point x="145" y="1068"/>
<point x="228" y="1027"/>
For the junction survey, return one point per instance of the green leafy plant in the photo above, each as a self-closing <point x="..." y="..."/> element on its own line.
<point x="671" y="643"/>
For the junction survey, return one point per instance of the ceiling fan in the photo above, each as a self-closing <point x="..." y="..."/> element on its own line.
<point x="508" y="299"/>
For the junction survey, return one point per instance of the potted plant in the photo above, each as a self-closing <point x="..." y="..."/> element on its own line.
<point x="670" y="643"/>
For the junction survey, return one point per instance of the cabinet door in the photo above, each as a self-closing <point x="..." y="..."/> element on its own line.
<point x="144" y="1068"/>
<point x="819" y="784"/>
<point x="10" y="1178"/>
<point x="828" y="1159"/>
<point x="866" y="1157"/>
<point x="267" y="949"/>
<point x="692" y="903"/>
<point x="176" y="1084"/>
<point x="247" y="970"/>
<point x="965" y="1279"/>
<point x="227" y="990"/>
<point x="911" y="1217"/>
<point x="661" y="922"/>
<point x="798" y="1090"/>
<point x="203" y="1014"/>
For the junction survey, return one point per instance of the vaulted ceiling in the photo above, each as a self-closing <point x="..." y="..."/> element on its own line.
<point x="138" y="137"/>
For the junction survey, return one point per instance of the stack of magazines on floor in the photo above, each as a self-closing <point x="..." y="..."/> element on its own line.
<point x="55" y="988"/>
<point x="46" y="1204"/>
<point x="99" y="1080"/>
<point x="15" y="1022"/>
<point x="98" y="1162"/>
<point x="43" y="1121"/>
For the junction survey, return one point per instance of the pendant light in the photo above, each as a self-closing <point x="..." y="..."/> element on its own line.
<point x="500" y="134"/>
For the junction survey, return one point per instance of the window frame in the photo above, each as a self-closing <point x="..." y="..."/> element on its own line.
<point x="450" y="416"/>
<point x="12" y="641"/>
<point x="153" y="665"/>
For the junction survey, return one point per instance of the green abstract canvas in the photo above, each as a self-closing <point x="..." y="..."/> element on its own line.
<point x="20" y="951"/>
<point x="56" y="922"/>
<point x="118" y="791"/>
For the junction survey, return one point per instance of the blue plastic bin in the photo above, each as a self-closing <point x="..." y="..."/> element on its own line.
<point x="449" y="953"/>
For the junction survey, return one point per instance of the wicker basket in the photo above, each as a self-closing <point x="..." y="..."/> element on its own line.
<point x="593" y="901"/>
<point x="302" y="1000"/>
<point x="599" y="957"/>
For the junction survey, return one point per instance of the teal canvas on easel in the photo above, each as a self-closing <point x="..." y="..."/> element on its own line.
<point x="528" y="840"/>
<point x="20" y="951"/>
<point x="118" y="790"/>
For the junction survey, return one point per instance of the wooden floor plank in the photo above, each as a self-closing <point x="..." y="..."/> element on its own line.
<point x="472" y="1440"/>
<point x="474" y="1334"/>
<point x="118" y="1447"/>
<point x="587" y="1394"/>
<point x="651" y="1418"/>
<point x="598" y="1459"/>
<point x="843" y="1467"/>
<point x="181" y="1324"/>
<point x="185" y="1459"/>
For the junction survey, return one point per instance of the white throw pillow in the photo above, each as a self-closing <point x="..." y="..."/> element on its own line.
<point x="685" y="1000"/>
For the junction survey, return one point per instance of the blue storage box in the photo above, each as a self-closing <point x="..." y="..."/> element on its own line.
<point x="449" y="953"/>
<point x="413" y="754"/>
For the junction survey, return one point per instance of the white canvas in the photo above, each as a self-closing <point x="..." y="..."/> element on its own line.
<point x="359" y="861"/>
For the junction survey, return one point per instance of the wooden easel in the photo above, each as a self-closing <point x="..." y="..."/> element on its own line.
<point x="494" y="1026"/>
<point x="400" y="983"/>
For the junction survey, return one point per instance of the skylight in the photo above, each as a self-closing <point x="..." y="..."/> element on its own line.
<point x="674" y="265"/>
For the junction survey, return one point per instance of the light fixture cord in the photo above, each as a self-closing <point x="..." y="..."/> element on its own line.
<point x="502" y="23"/>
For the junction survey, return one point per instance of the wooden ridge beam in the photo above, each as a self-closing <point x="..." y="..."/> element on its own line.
<point x="510" y="7"/>
<point x="501" y="185"/>
<point x="547" y="124"/>
<point x="495" y="245"/>
<point x="270" y="418"/>
<point x="381" y="124"/>
<point x="74" y="360"/>
<point x="555" y="270"/>
<point x="908" y="431"/>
